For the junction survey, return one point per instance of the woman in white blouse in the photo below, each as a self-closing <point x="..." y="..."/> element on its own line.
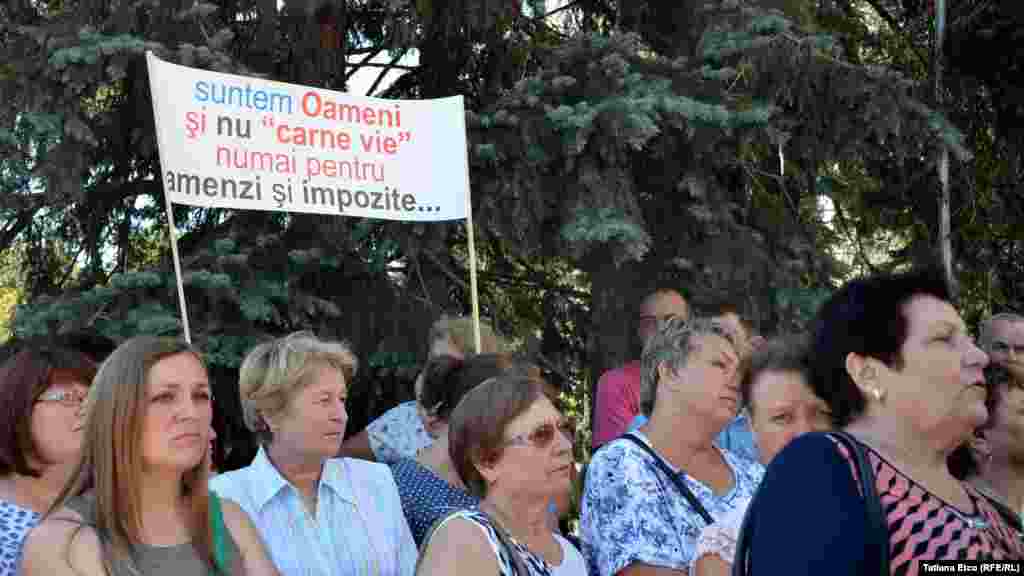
<point x="317" y="514"/>
<point x="781" y="406"/>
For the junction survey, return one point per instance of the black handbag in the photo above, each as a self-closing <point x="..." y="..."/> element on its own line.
<point x="878" y="529"/>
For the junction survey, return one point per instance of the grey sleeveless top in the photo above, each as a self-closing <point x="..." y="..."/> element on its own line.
<point x="179" y="560"/>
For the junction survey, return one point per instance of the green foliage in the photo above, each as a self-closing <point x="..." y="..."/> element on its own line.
<point x="93" y="47"/>
<point x="800" y="304"/>
<point x="392" y="359"/>
<point x="602" y="225"/>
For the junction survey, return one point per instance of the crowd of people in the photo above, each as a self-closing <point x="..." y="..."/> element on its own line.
<point x="882" y="438"/>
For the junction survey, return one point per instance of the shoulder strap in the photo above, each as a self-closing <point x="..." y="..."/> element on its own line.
<point x="429" y="535"/>
<point x="518" y="566"/>
<point x="217" y="530"/>
<point x="680" y="485"/>
<point x="878" y="529"/>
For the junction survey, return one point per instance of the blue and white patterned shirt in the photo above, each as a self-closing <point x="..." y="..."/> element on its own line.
<point x="631" y="513"/>
<point x="398" y="433"/>
<point x="359" y="526"/>
<point x="15" y="523"/>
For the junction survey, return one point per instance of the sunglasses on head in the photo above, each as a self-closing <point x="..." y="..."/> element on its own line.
<point x="543" y="435"/>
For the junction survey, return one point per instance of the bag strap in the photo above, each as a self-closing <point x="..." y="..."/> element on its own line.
<point x="877" y="528"/>
<point x="217" y="525"/>
<point x="518" y="566"/>
<point x="680" y="484"/>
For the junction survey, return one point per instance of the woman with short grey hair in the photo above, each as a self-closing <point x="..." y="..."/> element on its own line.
<point x="649" y="493"/>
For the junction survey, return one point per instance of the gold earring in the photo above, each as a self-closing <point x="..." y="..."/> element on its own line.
<point x="878" y="393"/>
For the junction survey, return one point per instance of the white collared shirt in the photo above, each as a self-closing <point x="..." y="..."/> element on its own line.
<point x="359" y="526"/>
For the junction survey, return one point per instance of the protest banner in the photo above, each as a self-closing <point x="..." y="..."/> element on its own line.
<point x="229" y="141"/>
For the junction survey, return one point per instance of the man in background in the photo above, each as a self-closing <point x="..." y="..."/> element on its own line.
<point x="618" y="390"/>
<point x="1002" y="338"/>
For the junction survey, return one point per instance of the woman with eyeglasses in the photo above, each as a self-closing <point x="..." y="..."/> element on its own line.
<point x="41" y="393"/>
<point x="137" y="502"/>
<point x="512" y="448"/>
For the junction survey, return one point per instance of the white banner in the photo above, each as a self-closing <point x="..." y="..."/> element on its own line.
<point x="237" y="142"/>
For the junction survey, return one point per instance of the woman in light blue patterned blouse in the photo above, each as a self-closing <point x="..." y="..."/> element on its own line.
<point x="635" y="515"/>
<point x="317" y="514"/>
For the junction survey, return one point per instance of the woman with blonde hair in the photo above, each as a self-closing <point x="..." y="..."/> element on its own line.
<point x="318" y="514"/>
<point x="137" y="502"/>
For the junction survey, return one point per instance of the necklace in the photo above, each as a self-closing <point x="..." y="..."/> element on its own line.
<point x="986" y="489"/>
<point x="975" y="521"/>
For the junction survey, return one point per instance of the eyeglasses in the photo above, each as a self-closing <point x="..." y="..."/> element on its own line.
<point x="543" y="435"/>
<point x="69" y="398"/>
<point x="1006" y="348"/>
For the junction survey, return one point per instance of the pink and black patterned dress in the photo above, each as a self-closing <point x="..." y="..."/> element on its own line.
<point x="810" y="518"/>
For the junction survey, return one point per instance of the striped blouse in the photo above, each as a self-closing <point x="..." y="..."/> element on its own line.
<point x="359" y="528"/>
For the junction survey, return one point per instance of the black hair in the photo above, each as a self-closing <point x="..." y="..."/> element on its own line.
<point x="867" y="317"/>
<point x="446" y="379"/>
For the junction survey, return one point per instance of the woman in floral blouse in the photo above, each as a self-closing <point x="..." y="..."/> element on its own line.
<point x="649" y="493"/>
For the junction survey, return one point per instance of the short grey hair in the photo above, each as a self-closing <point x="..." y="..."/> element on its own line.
<point x="273" y="372"/>
<point x="672" y="344"/>
<point x="987" y="328"/>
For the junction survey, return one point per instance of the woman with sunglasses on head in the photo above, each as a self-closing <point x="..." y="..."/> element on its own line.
<point x="137" y="502"/>
<point x="409" y="428"/>
<point x="41" y="394"/>
<point x="512" y="449"/>
<point x="430" y="486"/>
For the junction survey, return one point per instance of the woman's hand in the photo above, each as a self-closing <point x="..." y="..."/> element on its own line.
<point x="711" y="565"/>
<point x="62" y="545"/>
